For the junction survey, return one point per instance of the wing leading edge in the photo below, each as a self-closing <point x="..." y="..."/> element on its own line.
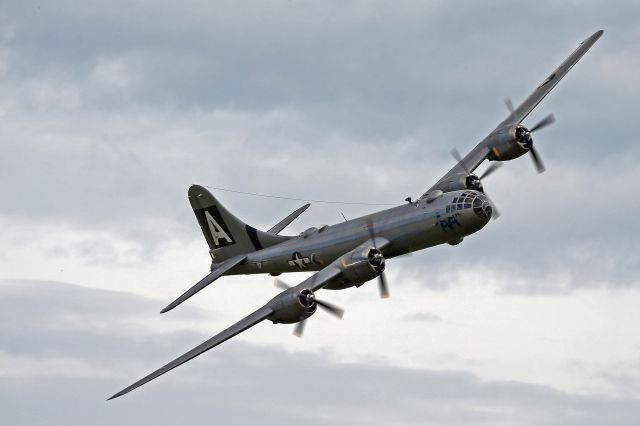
<point x="523" y="110"/>
<point x="481" y="151"/>
<point x="242" y="325"/>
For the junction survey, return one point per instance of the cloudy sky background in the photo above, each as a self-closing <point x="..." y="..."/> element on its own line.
<point x="109" y="113"/>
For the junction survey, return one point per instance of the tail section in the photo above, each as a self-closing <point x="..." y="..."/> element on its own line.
<point x="226" y="235"/>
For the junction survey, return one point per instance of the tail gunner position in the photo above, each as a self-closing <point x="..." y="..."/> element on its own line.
<point x="355" y="252"/>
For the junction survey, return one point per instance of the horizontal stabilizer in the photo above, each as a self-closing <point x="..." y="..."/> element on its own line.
<point x="214" y="275"/>
<point x="287" y="220"/>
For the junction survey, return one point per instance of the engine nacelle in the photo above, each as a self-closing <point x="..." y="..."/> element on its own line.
<point x="361" y="266"/>
<point x="509" y="143"/>
<point x="292" y="305"/>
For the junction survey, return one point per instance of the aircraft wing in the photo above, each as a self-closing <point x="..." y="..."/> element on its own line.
<point x="314" y="283"/>
<point x="248" y="322"/>
<point x="478" y="154"/>
<point x="321" y="278"/>
<point x="521" y="112"/>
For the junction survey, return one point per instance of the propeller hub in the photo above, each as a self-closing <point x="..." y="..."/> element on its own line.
<point x="308" y="300"/>
<point x="523" y="136"/>
<point x="376" y="259"/>
<point x="474" y="182"/>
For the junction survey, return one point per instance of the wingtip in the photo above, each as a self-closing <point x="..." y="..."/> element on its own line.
<point x="593" y="37"/>
<point x="173" y="304"/>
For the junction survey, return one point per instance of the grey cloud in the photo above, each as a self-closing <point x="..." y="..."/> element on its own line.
<point x="109" y="113"/>
<point x="239" y="383"/>
<point x="374" y="70"/>
<point x="39" y="318"/>
<point x="624" y="377"/>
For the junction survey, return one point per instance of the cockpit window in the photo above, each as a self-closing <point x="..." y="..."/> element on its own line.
<point x="464" y="201"/>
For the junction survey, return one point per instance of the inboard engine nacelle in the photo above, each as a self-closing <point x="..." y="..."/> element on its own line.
<point x="361" y="266"/>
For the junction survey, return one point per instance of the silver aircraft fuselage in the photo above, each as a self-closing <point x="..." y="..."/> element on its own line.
<point x="410" y="227"/>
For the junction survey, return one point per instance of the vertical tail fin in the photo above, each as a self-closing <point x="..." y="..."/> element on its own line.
<point x="226" y="235"/>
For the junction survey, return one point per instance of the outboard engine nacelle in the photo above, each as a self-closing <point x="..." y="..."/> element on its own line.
<point x="509" y="143"/>
<point x="292" y="306"/>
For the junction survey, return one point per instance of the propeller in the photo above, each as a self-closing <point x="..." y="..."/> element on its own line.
<point x="535" y="157"/>
<point x="382" y="281"/>
<point x="310" y="299"/>
<point x="490" y="170"/>
<point x="549" y="119"/>
<point x="509" y="105"/>
<point x="456" y="155"/>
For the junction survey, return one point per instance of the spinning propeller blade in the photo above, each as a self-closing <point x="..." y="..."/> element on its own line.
<point x="299" y="329"/>
<point x="492" y="168"/>
<point x="509" y="105"/>
<point x="281" y="284"/>
<point x="382" y="281"/>
<point x="496" y="213"/>
<point x="549" y="119"/>
<point x="331" y="308"/>
<point x="535" y="157"/>
<point x="536" y="160"/>
<point x="458" y="158"/>
<point x="384" y="289"/>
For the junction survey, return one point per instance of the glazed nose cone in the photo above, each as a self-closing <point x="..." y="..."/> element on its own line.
<point x="482" y="207"/>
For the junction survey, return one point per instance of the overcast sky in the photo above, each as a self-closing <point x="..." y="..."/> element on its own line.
<point x="108" y="113"/>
